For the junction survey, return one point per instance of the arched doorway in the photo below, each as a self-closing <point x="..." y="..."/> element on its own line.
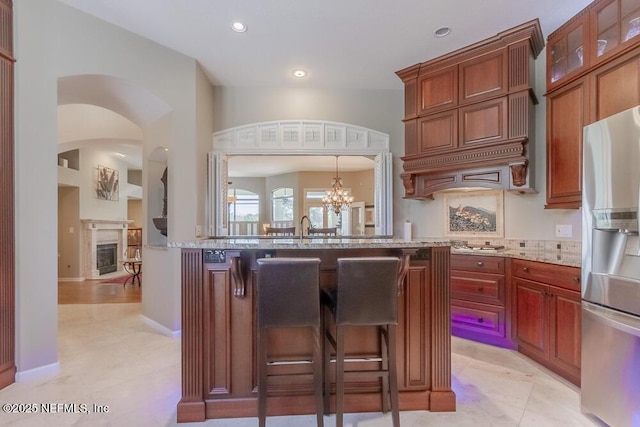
<point x="91" y="137"/>
<point x="137" y="113"/>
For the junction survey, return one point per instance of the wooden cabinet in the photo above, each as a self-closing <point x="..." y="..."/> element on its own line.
<point x="614" y="25"/>
<point x="438" y="133"/>
<point x="438" y="90"/>
<point x="229" y="333"/>
<point x="592" y="72"/>
<point x="486" y="76"/>
<point x="412" y="374"/>
<point x="616" y="85"/>
<point x="593" y="36"/>
<point x="567" y="114"/>
<point x="470" y="110"/>
<point x="547" y="324"/>
<point x="567" y="50"/>
<point x="607" y="90"/>
<point x="480" y="303"/>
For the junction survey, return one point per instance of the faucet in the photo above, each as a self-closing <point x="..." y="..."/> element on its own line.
<point x="301" y="229"/>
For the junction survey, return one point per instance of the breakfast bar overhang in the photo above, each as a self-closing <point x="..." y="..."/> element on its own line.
<point x="219" y="376"/>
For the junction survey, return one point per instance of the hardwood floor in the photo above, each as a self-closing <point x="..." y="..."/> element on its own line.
<point x="98" y="292"/>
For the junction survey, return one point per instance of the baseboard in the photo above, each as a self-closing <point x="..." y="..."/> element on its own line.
<point x="161" y="328"/>
<point x="71" y="279"/>
<point x="51" y="369"/>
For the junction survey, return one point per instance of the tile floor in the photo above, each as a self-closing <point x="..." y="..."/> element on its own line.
<point x="108" y="357"/>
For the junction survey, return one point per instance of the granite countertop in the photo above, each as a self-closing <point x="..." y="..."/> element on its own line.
<point x="305" y="243"/>
<point x="560" y="257"/>
<point x="541" y="253"/>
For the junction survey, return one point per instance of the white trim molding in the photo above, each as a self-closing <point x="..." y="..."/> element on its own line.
<point x="301" y="137"/>
<point x="40" y="371"/>
<point x="161" y="328"/>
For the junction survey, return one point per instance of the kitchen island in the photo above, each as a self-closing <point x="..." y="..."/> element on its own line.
<point x="219" y="331"/>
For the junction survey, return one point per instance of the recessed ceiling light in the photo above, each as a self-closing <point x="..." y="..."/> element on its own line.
<point x="299" y="73"/>
<point x="239" y="27"/>
<point x="442" y="32"/>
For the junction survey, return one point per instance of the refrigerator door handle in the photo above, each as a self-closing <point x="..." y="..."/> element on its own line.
<point x="622" y="322"/>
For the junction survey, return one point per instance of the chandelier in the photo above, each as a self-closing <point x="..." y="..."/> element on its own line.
<point x="337" y="198"/>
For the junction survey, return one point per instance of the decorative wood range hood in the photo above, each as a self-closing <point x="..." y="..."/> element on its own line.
<point x="469" y="116"/>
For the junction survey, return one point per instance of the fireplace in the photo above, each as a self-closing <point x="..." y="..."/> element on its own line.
<point x="103" y="233"/>
<point x="107" y="258"/>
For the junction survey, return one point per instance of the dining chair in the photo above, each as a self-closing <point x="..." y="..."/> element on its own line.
<point x="280" y="231"/>
<point x="331" y="231"/>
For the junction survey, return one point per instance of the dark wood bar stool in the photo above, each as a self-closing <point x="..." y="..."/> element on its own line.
<point x="366" y="295"/>
<point x="288" y="295"/>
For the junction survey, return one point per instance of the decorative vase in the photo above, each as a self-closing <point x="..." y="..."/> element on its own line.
<point x="161" y="221"/>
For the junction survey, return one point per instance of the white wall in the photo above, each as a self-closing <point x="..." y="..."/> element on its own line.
<point x="134" y="212"/>
<point x="204" y="129"/>
<point x="36" y="187"/>
<point x="90" y="206"/>
<point x="54" y="41"/>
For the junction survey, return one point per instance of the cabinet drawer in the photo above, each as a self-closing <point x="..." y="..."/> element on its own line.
<point x="479" y="287"/>
<point x="485" y="264"/>
<point x="483" y="318"/>
<point x="558" y="275"/>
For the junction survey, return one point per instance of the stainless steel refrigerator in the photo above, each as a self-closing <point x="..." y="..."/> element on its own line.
<point x="610" y="387"/>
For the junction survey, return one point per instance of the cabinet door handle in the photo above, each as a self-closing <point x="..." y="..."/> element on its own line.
<point x="480" y="320"/>
<point x="525" y="269"/>
<point x="576" y="279"/>
<point x="480" y="264"/>
<point x="481" y="289"/>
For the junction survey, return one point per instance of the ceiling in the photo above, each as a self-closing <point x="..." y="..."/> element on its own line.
<point x="356" y="44"/>
<point x="340" y="43"/>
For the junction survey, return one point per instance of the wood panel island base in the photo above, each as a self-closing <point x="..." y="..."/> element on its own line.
<point x="219" y="373"/>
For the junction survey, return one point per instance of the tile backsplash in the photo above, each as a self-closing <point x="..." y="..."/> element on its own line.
<point x="565" y="250"/>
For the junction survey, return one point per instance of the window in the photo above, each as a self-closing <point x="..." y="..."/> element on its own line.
<point x="244" y="211"/>
<point x="282" y="204"/>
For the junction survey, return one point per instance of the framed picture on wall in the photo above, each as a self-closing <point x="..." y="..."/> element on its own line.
<point x="108" y="184"/>
<point x="474" y="214"/>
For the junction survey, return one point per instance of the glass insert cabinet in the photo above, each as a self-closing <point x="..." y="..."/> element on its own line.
<point x="603" y="29"/>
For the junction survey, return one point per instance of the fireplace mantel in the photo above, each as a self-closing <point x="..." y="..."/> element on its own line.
<point x="99" y="231"/>
<point x="105" y="222"/>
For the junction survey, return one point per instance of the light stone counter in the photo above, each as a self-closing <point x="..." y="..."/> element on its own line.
<point x="541" y="255"/>
<point x="305" y="243"/>
<point x="534" y="252"/>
